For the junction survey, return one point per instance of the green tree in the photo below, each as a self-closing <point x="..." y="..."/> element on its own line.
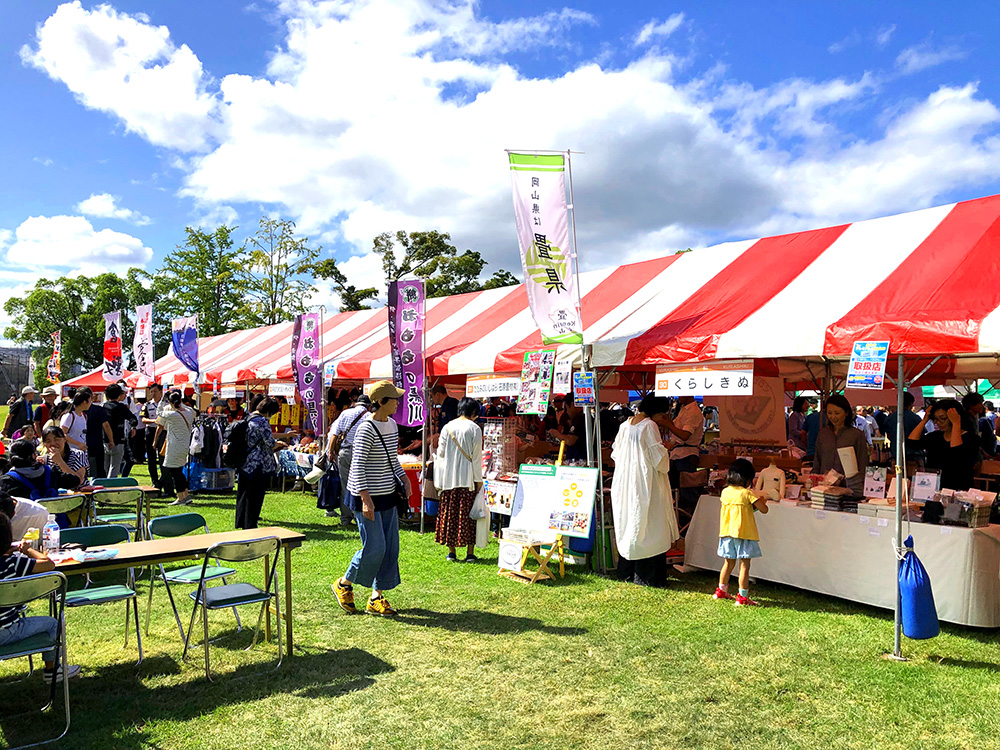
<point x="76" y="307"/>
<point x="201" y="276"/>
<point x="431" y="256"/>
<point x="500" y="278"/>
<point x="351" y="298"/>
<point x="276" y="269"/>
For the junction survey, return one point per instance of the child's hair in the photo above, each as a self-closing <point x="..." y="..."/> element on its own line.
<point x="6" y="535"/>
<point x="741" y="473"/>
<point x="22" y="454"/>
<point x="6" y="504"/>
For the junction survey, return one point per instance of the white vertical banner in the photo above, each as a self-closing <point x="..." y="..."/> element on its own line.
<point x="114" y="369"/>
<point x="142" y="342"/>
<point x="539" y="182"/>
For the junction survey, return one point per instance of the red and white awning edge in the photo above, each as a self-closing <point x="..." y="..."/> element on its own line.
<point x="928" y="281"/>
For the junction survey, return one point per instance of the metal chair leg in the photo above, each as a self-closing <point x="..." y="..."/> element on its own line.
<point x="239" y="625"/>
<point x="194" y="611"/>
<point x="204" y="620"/>
<point x="149" y="603"/>
<point x="138" y="633"/>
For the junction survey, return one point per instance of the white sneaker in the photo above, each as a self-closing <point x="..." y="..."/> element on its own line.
<point x="57" y="674"/>
<point x="186" y="501"/>
<point x="331" y="514"/>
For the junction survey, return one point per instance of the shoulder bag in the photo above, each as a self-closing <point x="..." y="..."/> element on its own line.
<point x="399" y="493"/>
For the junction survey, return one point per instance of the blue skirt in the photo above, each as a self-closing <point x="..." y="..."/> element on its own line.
<point x="732" y="548"/>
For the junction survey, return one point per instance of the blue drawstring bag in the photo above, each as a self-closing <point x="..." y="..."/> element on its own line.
<point x="919" y="615"/>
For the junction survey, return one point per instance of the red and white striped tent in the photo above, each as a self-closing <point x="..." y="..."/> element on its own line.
<point x="928" y="281"/>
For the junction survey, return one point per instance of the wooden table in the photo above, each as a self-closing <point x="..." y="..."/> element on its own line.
<point x="181" y="548"/>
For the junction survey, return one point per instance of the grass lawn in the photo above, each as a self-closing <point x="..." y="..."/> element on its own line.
<point x="477" y="661"/>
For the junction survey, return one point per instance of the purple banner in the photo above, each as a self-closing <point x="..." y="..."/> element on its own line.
<point x="406" y="338"/>
<point x="306" y="357"/>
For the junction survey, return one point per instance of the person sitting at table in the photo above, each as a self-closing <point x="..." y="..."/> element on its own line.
<point x="840" y="433"/>
<point x="17" y="562"/>
<point x="27" y="476"/>
<point x="23" y="514"/>
<point x="60" y="454"/>
<point x="953" y="448"/>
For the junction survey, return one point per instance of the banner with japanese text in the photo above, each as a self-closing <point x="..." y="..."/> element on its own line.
<point x="539" y="182"/>
<point x="185" y="341"/>
<point x="142" y="342"/>
<point x="306" y="366"/>
<point x="54" y="367"/>
<point x="114" y="370"/>
<point x="406" y="341"/>
<point x="867" y="366"/>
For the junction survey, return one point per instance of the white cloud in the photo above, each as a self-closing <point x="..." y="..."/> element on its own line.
<point x="657" y="29"/>
<point x="124" y="65"/>
<point x="355" y="128"/>
<point x="44" y="161"/>
<point x="105" y="206"/>
<point x="71" y="242"/>
<point x="885" y="35"/>
<point x="923" y="56"/>
<point x="850" y="40"/>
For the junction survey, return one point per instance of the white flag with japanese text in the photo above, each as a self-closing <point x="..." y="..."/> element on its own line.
<point x="142" y="342"/>
<point x="539" y="182"/>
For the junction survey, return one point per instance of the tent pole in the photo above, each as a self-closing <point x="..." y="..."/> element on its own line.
<point x="599" y="515"/>
<point x="900" y="478"/>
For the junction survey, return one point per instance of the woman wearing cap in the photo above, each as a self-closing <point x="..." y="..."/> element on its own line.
<point x="375" y="470"/>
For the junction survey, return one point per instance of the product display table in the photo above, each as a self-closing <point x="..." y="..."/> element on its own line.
<point x="852" y="557"/>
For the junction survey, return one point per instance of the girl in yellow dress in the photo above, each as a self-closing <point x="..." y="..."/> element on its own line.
<point x="738" y="537"/>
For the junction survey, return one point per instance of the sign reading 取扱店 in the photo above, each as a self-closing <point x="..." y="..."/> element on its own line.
<point x="709" y="379"/>
<point x="867" y="367"/>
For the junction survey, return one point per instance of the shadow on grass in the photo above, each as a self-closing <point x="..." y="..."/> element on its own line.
<point x="946" y="661"/>
<point x="475" y="621"/>
<point x="111" y="705"/>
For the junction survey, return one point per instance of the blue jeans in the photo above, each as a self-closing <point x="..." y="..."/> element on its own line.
<point x="376" y="564"/>
<point x="25" y="627"/>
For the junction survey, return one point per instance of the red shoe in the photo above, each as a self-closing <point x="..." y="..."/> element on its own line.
<point x="745" y="601"/>
<point x="720" y="594"/>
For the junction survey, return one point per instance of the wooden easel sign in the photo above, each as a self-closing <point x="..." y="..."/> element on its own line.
<point x="515" y="557"/>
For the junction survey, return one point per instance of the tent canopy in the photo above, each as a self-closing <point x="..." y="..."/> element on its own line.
<point x="93" y="379"/>
<point x="925" y="280"/>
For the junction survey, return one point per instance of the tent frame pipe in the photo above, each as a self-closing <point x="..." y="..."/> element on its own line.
<point x="900" y="459"/>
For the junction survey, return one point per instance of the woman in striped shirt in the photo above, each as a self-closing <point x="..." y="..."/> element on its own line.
<point x="371" y="487"/>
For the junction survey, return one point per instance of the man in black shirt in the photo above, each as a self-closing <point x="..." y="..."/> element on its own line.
<point x="448" y="405"/>
<point x="98" y="432"/>
<point x="122" y="422"/>
<point x="576" y="437"/>
<point x="21" y="412"/>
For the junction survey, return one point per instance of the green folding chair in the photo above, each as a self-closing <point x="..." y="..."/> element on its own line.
<point x="174" y="526"/>
<point x="108" y="504"/>
<point x="99" y="536"/>
<point x="236" y="594"/>
<point x="115" y="482"/>
<point x="17" y="591"/>
<point x="57" y="505"/>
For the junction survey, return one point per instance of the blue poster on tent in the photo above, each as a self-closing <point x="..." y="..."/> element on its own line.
<point x="867" y="367"/>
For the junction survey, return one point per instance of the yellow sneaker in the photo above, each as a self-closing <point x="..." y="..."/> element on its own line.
<point x="380" y="606"/>
<point x="345" y="597"/>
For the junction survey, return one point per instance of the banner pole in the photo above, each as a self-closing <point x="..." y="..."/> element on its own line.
<point x="324" y="417"/>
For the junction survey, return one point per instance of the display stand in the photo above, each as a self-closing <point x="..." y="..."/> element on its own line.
<point x="534" y="551"/>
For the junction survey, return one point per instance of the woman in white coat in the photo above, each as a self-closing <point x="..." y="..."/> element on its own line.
<point x="645" y="521"/>
<point x="458" y="473"/>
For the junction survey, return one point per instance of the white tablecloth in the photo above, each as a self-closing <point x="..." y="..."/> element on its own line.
<point x="851" y="557"/>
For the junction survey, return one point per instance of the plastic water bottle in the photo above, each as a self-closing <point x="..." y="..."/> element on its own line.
<point x="50" y="535"/>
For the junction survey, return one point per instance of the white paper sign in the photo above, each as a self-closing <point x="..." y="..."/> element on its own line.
<point x="281" y="389"/>
<point x="849" y="461"/>
<point x="875" y="479"/>
<point x="489" y="386"/>
<point x="554" y="500"/>
<point x="821" y="514"/>
<point x="510" y="556"/>
<point x="562" y="378"/>
<point x="882" y="521"/>
<point x="925" y="484"/>
<point x="874" y="532"/>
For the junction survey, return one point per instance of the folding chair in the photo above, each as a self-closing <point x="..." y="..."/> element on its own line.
<point x="130" y="497"/>
<point x="97" y="536"/>
<point x="237" y="594"/>
<point x="57" y="505"/>
<point x="179" y="525"/>
<point x="115" y="482"/>
<point x="17" y="591"/>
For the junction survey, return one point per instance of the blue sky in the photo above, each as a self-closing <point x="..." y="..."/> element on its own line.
<point x="700" y="122"/>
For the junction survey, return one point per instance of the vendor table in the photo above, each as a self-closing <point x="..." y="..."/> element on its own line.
<point x="181" y="548"/>
<point x="852" y="557"/>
